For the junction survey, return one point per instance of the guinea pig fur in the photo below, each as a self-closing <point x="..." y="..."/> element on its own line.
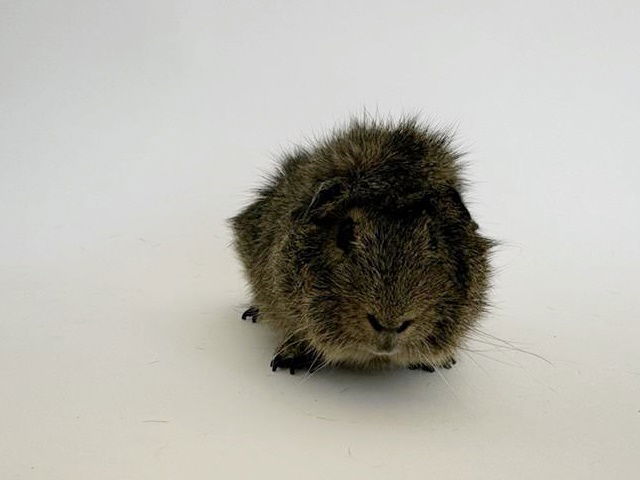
<point x="360" y="251"/>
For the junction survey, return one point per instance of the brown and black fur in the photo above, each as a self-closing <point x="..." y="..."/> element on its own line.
<point x="361" y="252"/>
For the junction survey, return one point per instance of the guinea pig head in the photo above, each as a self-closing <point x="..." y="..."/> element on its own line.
<point x="392" y="279"/>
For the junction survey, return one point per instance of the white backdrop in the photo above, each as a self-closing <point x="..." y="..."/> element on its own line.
<point x="130" y="130"/>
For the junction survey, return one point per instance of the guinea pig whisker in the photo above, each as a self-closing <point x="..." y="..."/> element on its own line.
<point x="509" y="346"/>
<point x="468" y="354"/>
<point x="493" y="337"/>
<point x="289" y="343"/>
<point x="488" y="357"/>
<point x="312" y="369"/>
<point x="442" y="376"/>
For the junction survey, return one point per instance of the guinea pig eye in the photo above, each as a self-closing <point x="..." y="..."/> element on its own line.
<point x="345" y="234"/>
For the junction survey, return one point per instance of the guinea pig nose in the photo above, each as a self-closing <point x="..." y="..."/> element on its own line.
<point x="377" y="326"/>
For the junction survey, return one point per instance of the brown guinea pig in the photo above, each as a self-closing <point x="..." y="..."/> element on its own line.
<point x="361" y="252"/>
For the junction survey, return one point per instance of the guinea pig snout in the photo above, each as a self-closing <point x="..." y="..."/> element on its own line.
<point x="387" y="334"/>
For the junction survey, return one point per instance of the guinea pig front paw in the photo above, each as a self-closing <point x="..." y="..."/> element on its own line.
<point x="448" y="363"/>
<point x="252" y="312"/>
<point x="295" y="359"/>
<point x="422" y="366"/>
<point x="427" y="367"/>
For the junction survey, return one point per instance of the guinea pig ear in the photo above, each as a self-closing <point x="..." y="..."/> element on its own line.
<point x="454" y="204"/>
<point x="325" y="201"/>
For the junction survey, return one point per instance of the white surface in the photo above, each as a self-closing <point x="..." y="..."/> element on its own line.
<point x="130" y="130"/>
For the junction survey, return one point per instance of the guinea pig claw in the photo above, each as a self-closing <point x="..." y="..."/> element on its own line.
<point x="448" y="363"/>
<point x="282" y="362"/>
<point x="252" y="312"/>
<point x="293" y="363"/>
<point x="422" y="366"/>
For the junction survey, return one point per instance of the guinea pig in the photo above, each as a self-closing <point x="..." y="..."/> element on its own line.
<point x="360" y="251"/>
